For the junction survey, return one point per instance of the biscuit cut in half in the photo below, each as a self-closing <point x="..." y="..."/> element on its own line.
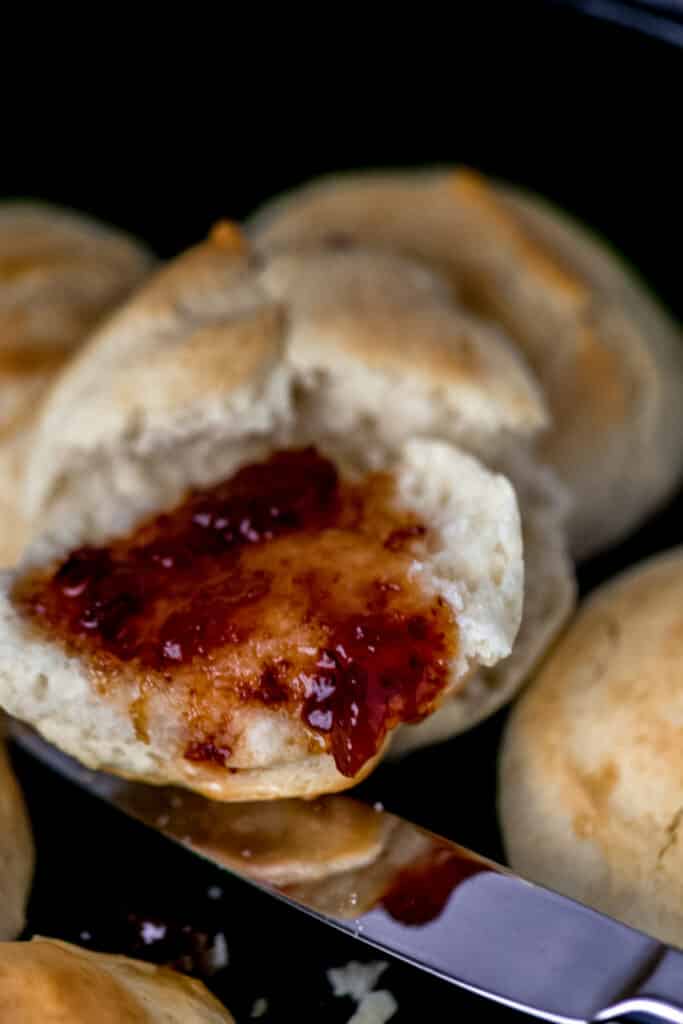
<point x="609" y="358"/>
<point x="590" y="772"/>
<point x="60" y="273"/>
<point x="259" y="560"/>
<point x="16" y="852"/>
<point x="47" y="980"/>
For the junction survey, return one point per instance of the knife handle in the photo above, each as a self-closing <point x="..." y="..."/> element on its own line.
<point x="658" y="999"/>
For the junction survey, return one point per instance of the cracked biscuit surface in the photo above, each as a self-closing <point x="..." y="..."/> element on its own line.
<point x="591" y="769"/>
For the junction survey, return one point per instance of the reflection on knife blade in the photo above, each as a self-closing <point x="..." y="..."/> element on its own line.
<point x="334" y="854"/>
<point x="414" y="895"/>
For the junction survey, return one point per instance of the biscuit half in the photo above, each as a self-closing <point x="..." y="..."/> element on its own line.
<point x="220" y="365"/>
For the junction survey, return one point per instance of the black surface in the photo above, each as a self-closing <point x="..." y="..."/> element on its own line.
<point x="587" y="113"/>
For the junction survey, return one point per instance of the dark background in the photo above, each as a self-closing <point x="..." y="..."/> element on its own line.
<point x="584" y="111"/>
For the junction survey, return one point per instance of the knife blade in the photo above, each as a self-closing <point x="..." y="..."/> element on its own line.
<point x="415" y="896"/>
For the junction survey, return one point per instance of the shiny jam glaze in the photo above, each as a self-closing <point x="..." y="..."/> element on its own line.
<point x="419" y="893"/>
<point x="283" y="587"/>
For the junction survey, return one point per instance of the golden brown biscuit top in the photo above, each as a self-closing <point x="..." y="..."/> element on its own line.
<point x="50" y="982"/>
<point x="224" y="327"/>
<point x="16" y="849"/>
<point x="604" y="715"/>
<point x="60" y="272"/>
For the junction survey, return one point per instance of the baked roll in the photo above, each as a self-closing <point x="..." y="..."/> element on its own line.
<point x="60" y="274"/>
<point x="590" y="768"/>
<point x="16" y="851"/>
<point x="46" y="980"/>
<point x="265" y="548"/>
<point x="609" y="358"/>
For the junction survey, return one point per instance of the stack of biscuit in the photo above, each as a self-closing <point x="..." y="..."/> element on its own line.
<point x="311" y="493"/>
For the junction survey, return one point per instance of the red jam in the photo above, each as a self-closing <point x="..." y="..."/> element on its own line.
<point x="419" y="893"/>
<point x="283" y="587"/>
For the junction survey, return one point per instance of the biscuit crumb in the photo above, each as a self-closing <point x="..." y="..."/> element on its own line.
<point x="356" y="979"/>
<point x="218" y="957"/>
<point x="375" y="1008"/>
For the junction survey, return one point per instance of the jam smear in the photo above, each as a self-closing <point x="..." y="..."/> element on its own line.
<point x="284" y="587"/>
<point x="206" y="750"/>
<point x="378" y="670"/>
<point x="419" y="893"/>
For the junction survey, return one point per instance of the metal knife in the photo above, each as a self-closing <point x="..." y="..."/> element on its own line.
<point x="423" y="899"/>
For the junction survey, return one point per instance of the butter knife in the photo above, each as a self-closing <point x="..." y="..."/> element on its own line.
<point x="415" y="896"/>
